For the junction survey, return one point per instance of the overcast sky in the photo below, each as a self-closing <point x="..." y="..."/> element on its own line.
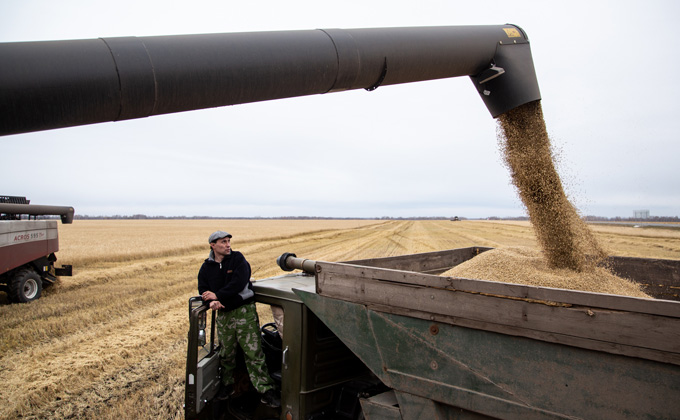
<point x="605" y="70"/>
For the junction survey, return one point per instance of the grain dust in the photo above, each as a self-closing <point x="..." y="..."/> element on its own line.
<point x="564" y="237"/>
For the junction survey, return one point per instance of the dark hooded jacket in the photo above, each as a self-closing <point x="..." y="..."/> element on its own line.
<point x="229" y="280"/>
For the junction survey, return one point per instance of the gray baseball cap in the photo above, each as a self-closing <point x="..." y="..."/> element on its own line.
<point x="215" y="236"/>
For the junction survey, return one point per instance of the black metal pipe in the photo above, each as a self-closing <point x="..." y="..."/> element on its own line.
<point x="289" y="262"/>
<point x="53" y="84"/>
<point x="65" y="212"/>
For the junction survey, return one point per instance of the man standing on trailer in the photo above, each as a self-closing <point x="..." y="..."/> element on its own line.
<point x="224" y="281"/>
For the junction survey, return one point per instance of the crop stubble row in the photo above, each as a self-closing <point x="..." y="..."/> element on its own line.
<point x="86" y="335"/>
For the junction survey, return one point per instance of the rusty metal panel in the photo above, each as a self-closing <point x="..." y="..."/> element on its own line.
<point x="381" y="407"/>
<point x="505" y="376"/>
<point x="415" y="407"/>
<point x="499" y="375"/>
<point x="350" y="323"/>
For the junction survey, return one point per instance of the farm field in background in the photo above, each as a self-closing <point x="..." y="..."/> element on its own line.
<point x="110" y="342"/>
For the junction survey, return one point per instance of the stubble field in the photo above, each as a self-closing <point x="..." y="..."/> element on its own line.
<point x="110" y="342"/>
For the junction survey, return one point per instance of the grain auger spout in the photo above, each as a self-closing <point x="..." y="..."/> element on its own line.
<point x="53" y="84"/>
<point x="14" y="211"/>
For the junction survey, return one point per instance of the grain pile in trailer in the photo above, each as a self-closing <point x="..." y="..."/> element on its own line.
<point x="527" y="266"/>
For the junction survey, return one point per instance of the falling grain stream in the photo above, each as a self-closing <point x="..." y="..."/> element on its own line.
<point x="571" y="257"/>
<point x="564" y="237"/>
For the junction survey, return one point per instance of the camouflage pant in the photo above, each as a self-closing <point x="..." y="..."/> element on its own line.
<point x="240" y="327"/>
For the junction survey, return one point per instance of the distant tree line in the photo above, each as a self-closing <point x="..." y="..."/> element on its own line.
<point x="520" y="218"/>
<point x="144" y="217"/>
<point x="632" y="219"/>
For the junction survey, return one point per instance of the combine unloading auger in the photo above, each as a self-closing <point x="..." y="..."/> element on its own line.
<point x="53" y="84"/>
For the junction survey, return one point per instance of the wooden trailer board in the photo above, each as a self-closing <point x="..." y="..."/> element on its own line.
<point x="454" y="345"/>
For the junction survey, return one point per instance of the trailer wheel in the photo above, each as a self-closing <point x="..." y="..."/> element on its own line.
<point x="25" y="286"/>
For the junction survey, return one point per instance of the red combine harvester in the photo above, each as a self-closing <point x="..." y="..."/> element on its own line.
<point x="27" y="247"/>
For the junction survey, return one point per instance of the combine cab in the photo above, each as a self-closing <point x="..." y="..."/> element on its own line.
<point x="27" y="247"/>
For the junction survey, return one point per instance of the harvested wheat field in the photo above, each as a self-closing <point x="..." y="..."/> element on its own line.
<point x="110" y="342"/>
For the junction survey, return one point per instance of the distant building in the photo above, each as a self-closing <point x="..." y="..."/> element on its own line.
<point x="640" y="214"/>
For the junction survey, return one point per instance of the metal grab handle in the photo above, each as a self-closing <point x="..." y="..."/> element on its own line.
<point x="284" y="363"/>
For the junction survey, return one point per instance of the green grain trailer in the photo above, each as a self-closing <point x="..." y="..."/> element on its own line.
<point x="410" y="344"/>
